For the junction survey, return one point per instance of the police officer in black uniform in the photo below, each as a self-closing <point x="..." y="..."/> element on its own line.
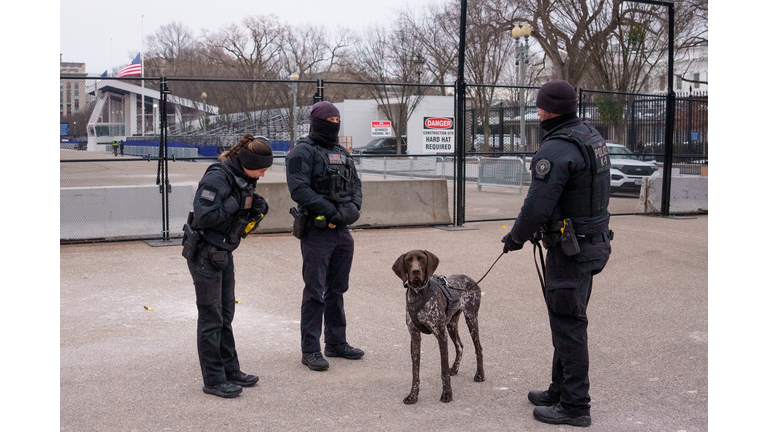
<point x="226" y="209"/>
<point x="324" y="183"/>
<point x="567" y="208"/>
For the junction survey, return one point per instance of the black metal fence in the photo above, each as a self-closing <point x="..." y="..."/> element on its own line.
<point x="165" y="140"/>
<point x="639" y="120"/>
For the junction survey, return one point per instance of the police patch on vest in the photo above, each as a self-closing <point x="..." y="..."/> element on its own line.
<point x="542" y="168"/>
<point x="207" y="194"/>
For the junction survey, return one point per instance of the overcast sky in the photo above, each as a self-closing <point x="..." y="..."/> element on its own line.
<point x="88" y="25"/>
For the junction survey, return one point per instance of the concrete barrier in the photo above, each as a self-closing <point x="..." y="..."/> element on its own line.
<point x="121" y="211"/>
<point x="688" y="194"/>
<point x="136" y="211"/>
<point x="385" y="203"/>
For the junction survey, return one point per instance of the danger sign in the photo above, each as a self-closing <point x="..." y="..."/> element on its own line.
<point x="438" y="123"/>
<point x="381" y="128"/>
<point x="437" y="134"/>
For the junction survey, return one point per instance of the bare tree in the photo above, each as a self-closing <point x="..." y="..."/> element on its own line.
<point x="489" y="50"/>
<point x="249" y="52"/>
<point x="436" y="33"/>
<point x="390" y="58"/>
<point x="567" y="31"/>
<point x="174" y="48"/>
<point x="306" y="51"/>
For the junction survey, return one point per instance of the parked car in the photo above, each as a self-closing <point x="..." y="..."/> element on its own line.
<point x="382" y="146"/>
<point x="628" y="169"/>
<point x="648" y="154"/>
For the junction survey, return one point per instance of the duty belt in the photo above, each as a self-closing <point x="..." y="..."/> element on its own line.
<point x="597" y="238"/>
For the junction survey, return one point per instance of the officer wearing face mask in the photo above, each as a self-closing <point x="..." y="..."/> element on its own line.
<point x="324" y="183"/>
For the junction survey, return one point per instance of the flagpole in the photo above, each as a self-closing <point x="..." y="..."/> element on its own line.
<point x="143" y="129"/>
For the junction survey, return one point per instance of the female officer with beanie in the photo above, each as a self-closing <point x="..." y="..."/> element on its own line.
<point x="226" y="209"/>
<point x="323" y="181"/>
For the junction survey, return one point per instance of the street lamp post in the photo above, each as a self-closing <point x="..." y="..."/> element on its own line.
<point x="521" y="60"/>
<point x="419" y="62"/>
<point x="294" y="90"/>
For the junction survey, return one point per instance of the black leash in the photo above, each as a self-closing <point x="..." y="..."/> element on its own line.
<point x="489" y="270"/>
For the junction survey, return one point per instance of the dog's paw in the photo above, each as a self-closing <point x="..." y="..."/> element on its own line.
<point x="479" y="377"/>
<point x="446" y="397"/>
<point x="411" y="399"/>
<point x="454" y="370"/>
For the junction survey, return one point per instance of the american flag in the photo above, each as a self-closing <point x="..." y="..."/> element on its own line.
<point x="132" y="69"/>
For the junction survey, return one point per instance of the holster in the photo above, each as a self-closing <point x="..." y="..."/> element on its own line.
<point x="568" y="240"/>
<point x="190" y="240"/>
<point x="561" y="233"/>
<point x="299" y="222"/>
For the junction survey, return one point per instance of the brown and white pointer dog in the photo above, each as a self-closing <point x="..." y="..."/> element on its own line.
<point x="430" y="311"/>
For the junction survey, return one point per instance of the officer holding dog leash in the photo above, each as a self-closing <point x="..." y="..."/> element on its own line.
<point x="567" y="209"/>
<point x="226" y="209"/>
<point x="324" y="183"/>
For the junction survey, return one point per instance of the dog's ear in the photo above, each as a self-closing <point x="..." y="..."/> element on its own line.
<point x="399" y="268"/>
<point x="432" y="262"/>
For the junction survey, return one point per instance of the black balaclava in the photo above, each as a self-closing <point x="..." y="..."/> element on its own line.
<point x="322" y="131"/>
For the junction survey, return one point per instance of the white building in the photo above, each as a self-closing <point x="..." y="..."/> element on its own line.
<point x="117" y="113"/>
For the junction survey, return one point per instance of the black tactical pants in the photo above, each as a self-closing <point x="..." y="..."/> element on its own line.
<point x="327" y="254"/>
<point x="213" y="273"/>
<point x="568" y="288"/>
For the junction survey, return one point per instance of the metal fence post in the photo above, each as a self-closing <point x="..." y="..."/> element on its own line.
<point x="162" y="174"/>
<point x="461" y="100"/>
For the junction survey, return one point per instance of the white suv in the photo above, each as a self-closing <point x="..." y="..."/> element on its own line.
<point x="628" y="169"/>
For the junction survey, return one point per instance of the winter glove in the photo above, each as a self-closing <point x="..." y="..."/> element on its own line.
<point x="337" y="219"/>
<point x="260" y="205"/>
<point x="349" y="212"/>
<point x="510" y="244"/>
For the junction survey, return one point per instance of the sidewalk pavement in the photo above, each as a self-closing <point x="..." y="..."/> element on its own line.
<point x="126" y="368"/>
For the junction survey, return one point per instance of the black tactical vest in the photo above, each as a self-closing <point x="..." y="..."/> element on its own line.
<point x="337" y="180"/>
<point x="239" y="224"/>
<point x="586" y="194"/>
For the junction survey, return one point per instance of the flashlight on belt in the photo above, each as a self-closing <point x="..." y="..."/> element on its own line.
<point x="320" y="222"/>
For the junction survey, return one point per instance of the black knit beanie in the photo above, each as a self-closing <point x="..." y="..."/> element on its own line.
<point x="557" y="97"/>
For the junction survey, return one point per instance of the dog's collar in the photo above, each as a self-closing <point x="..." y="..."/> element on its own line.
<point x="416" y="290"/>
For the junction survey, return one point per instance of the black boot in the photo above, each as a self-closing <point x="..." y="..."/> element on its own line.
<point x="343" y="350"/>
<point x="225" y="390"/>
<point x="542" y="398"/>
<point x="556" y="415"/>
<point x="314" y="361"/>
<point x="242" y="379"/>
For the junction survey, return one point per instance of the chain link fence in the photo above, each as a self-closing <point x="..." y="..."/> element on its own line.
<point x="113" y="151"/>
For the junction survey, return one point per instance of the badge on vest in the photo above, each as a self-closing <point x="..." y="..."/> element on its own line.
<point x="335" y="159"/>
<point x="542" y="169"/>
